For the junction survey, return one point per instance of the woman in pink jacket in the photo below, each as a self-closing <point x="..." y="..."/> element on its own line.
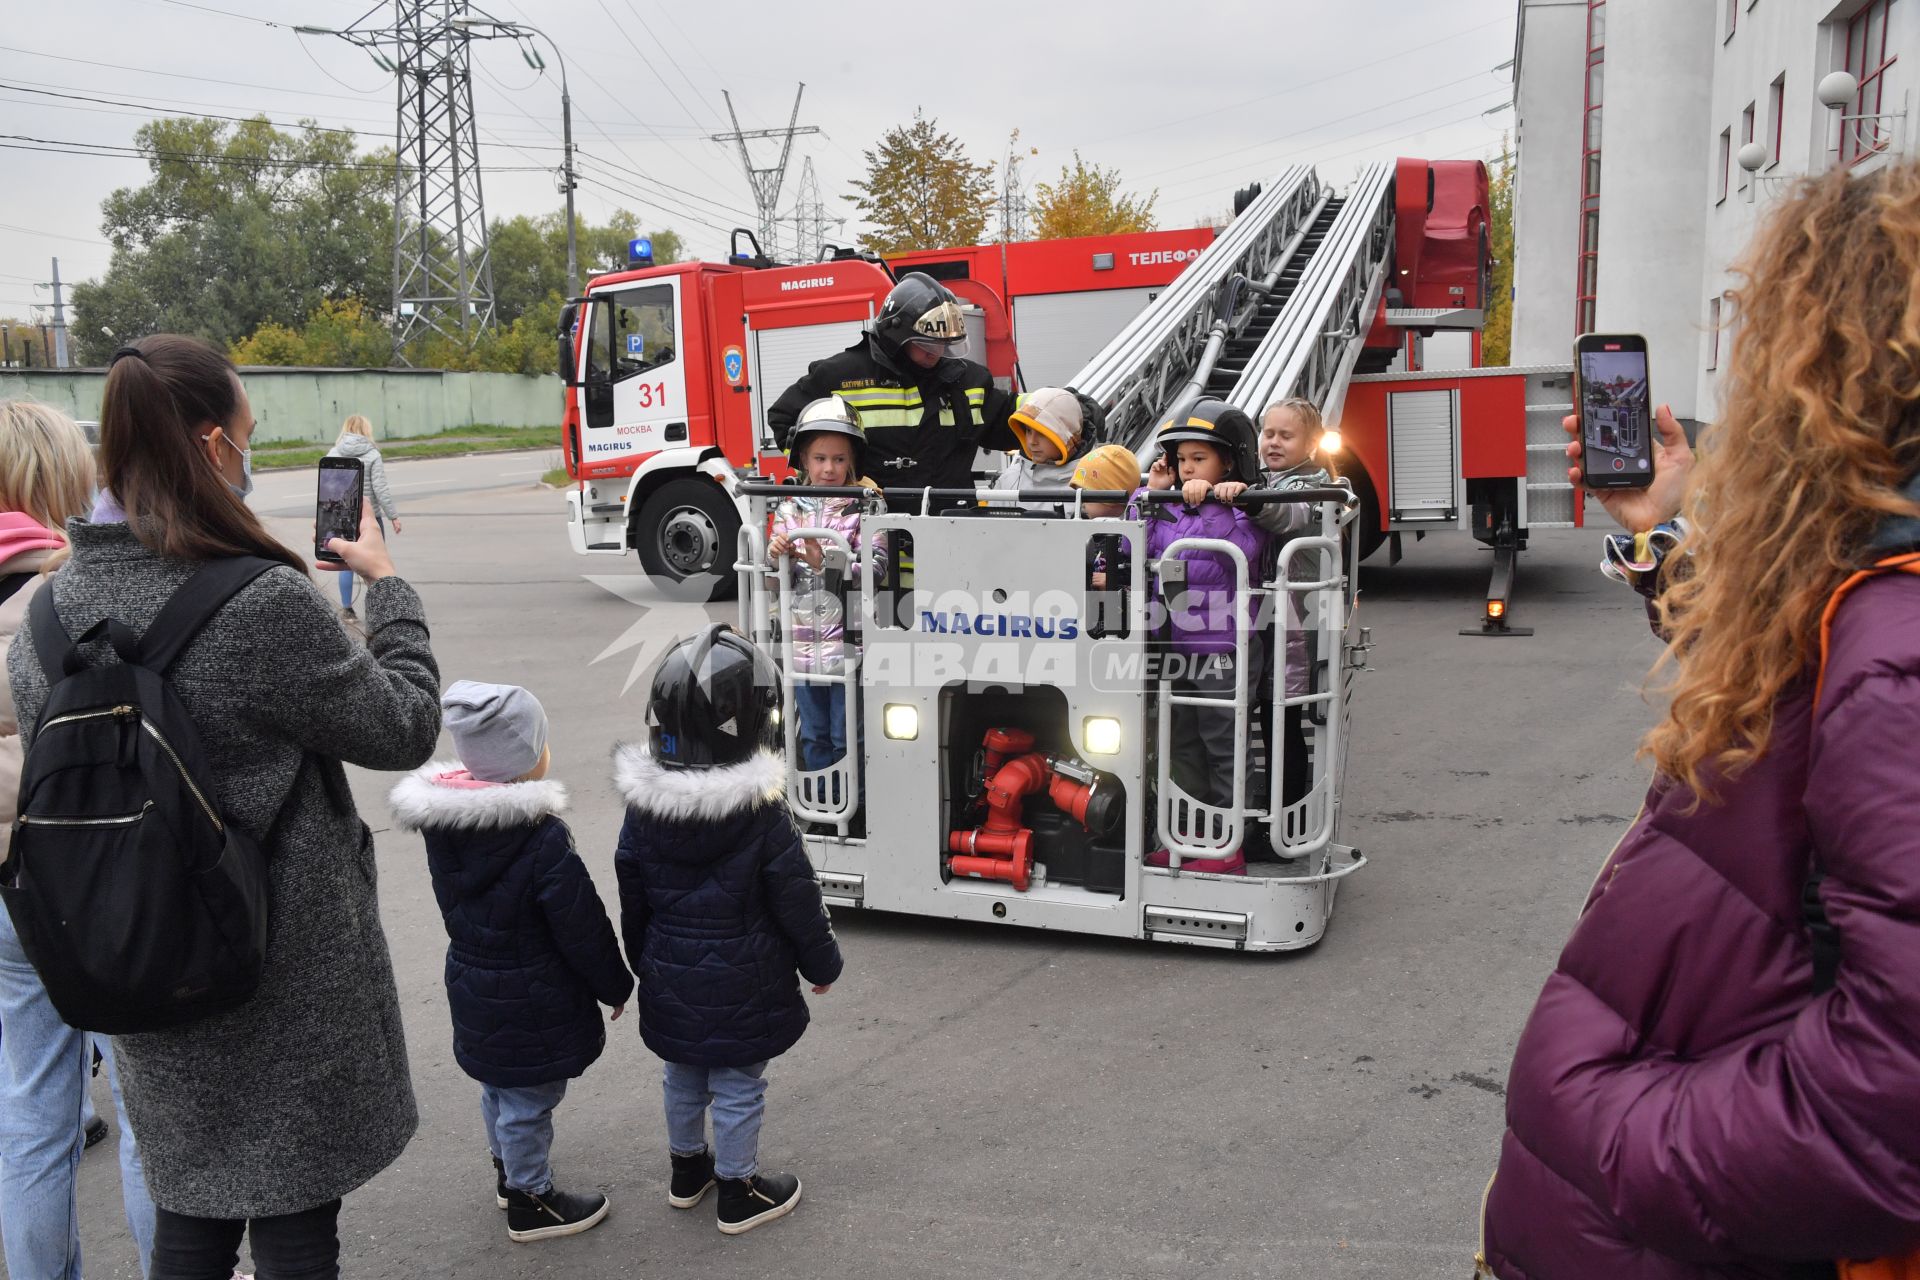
<point x="1703" y="1090"/>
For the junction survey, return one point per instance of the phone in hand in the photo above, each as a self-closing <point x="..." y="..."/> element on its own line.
<point x="1615" y="410"/>
<point x="337" y="509"/>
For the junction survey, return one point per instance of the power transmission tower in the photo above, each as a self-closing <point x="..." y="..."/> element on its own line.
<point x="809" y="216"/>
<point x="1013" y="194"/>
<point x="442" y="274"/>
<point x="765" y="183"/>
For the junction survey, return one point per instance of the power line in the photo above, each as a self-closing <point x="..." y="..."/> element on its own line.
<point x="634" y="45"/>
<point x="181" y="75"/>
<point x="51" y="235"/>
<point x="118" y="151"/>
<point x="225" y="13"/>
<point x="662" y="182"/>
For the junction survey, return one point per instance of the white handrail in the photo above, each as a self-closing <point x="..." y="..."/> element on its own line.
<point x="1175" y="837"/>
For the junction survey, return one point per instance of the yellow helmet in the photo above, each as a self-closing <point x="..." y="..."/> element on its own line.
<point x="1109" y="467"/>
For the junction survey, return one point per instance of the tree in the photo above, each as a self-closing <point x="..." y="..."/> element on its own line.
<point x="1496" y="342"/>
<point x="921" y="191"/>
<point x="337" y="335"/>
<point x="530" y="256"/>
<point x="1087" y="201"/>
<point x="239" y="225"/>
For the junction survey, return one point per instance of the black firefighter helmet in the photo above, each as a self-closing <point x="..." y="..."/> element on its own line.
<point x="922" y="312"/>
<point x="1219" y="424"/>
<point x="715" y="701"/>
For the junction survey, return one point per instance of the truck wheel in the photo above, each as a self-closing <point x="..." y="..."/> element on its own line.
<point x="686" y="533"/>
<point x="1371" y="535"/>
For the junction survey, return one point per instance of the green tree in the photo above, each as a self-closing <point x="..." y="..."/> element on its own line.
<point x="342" y="334"/>
<point x="238" y="225"/>
<point x="1496" y="343"/>
<point x="921" y="191"/>
<point x="1087" y="201"/>
<point x="530" y="256"/>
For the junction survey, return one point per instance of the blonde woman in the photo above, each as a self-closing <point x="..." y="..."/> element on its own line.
<point x="1690" y="1098"/>
<point x="356" y="441"/>
<point x="46" y="478"/>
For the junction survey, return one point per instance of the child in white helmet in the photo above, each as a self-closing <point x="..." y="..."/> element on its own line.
<point x="1056" y="428"/>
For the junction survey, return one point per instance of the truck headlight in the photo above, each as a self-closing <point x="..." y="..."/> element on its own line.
<point x="1101" y="735"/>
<point x="1330" y="442"/>
<point x="901" y="721"/>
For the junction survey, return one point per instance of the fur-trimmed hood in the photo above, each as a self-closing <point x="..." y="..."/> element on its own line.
<point x="705" y="795"/>
<point x="443" y="795"/>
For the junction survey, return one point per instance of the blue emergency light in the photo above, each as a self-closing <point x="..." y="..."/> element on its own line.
<point x="640" y="252"/>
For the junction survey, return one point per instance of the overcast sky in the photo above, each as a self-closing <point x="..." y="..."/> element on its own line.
<point x="1193" y="99"/>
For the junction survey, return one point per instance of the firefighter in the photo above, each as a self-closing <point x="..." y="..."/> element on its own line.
<point x="926" y="410"/>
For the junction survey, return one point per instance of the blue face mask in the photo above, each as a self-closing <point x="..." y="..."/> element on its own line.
<point x="245" y="487"/>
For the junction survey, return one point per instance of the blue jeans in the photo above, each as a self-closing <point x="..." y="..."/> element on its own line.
<point x="520" y="1131"/>
<point x="347" y="577"/>
<point x="738" y="1097"/>
<point x="44" y="1069"/>
<point x="823" y="724"/>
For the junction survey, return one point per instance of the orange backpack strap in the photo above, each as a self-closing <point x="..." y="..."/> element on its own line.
<point x="1908" y="562"/>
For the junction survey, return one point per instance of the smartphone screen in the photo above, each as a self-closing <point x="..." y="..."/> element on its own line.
<point x="337" y="511"/>
<point x="1616" y="411"/>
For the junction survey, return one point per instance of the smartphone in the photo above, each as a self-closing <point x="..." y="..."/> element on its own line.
<point x="337" y="511"/>
<point x="1616" y="410"/>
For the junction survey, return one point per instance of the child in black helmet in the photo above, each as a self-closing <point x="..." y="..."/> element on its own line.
<point x="719" y="908"/>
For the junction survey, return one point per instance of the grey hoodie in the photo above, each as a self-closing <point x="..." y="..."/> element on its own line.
<point x="350" y="445"/>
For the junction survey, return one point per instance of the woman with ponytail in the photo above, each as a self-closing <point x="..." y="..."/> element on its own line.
<point x="258" y="1120"/>
<point x="1722" y="1076"/>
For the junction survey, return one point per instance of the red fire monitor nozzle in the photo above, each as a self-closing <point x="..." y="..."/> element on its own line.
<point x="1002" y="848"/>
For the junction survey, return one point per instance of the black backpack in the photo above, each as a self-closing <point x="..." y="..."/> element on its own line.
<point x="139" y="905"/>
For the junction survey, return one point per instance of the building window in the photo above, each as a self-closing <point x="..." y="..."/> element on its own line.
<point x="1726" y="162"/>
<point x="1587" y="267"/>
<point x="1713" y="333"/>
<point x="1733" y="18"/>
<point x="1867" y="59"/>
<point x="1776" y="117"/>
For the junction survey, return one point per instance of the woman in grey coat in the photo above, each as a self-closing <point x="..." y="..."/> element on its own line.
<point x="256" y="1121"/>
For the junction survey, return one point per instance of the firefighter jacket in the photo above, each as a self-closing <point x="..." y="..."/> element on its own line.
<point x="923" y="426"/>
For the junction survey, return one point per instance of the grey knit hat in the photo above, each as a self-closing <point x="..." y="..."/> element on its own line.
<point x="500" y="730"/>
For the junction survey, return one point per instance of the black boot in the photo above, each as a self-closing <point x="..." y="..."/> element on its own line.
<point x="745" y="1203"/>
<point x="692" y="1176"/>
<point x="551" y="1213"/>
<point x="96" y="1133"/>
<point x="499" y="1182"/>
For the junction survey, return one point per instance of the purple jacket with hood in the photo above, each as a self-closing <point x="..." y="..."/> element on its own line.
<point x="1682" y="1105"/>
<point x="1201" y="612"/>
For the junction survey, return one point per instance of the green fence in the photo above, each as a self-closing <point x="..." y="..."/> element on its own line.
<point x="310" y="404"/>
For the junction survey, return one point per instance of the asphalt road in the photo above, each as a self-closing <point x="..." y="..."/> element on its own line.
<point x="974" y="1101"/>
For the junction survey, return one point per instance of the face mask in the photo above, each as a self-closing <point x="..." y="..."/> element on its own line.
<point x="245" y="487"/>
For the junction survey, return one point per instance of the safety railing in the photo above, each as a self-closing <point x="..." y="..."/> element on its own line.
<point x="1307" y="825"/>
<point x="1191" y="827"/>
<point x="830" y="794"/>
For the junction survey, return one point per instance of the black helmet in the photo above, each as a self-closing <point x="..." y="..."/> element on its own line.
<point x="715" y="701"/>
<point x="1220" y="424"/>
<point x="922" y="311"/>
<point x="832" y="416"/>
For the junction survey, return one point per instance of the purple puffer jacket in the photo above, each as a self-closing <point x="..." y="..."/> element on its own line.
<point x="1681" y="1105"/>
<point x="819" y="613"/>
<point x="1202" y="612"/>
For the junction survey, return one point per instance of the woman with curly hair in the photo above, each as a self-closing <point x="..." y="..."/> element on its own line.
<point x="1690" y="1098"/>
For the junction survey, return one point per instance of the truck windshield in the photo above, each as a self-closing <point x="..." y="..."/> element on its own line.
<point x="641" y="330"/>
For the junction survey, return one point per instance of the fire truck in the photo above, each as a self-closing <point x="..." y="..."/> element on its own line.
<point x="1011" y="751"/>
<point x="669" y="369"/>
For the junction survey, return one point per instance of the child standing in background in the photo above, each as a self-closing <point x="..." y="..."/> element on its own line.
<point x="356" y="441"/>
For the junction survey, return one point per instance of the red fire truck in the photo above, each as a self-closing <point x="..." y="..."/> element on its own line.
<point x="667" y="390"/>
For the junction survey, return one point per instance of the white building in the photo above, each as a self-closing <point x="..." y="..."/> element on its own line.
<point x="1632" y="202"/>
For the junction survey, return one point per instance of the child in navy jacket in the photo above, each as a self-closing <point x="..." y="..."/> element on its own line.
<point x="531" y="953"/>
<point x="721" y="913"/>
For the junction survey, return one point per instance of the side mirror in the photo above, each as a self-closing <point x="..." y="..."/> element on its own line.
<point x="569" y="360"/>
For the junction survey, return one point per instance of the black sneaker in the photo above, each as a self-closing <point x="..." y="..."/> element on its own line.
<point x="692" y="1177"/>
<point x="96" y="1133"/>
<point x="745" y="1203"/>
<point x="551" y="1213"/>
<point x="499" y="1182"/>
